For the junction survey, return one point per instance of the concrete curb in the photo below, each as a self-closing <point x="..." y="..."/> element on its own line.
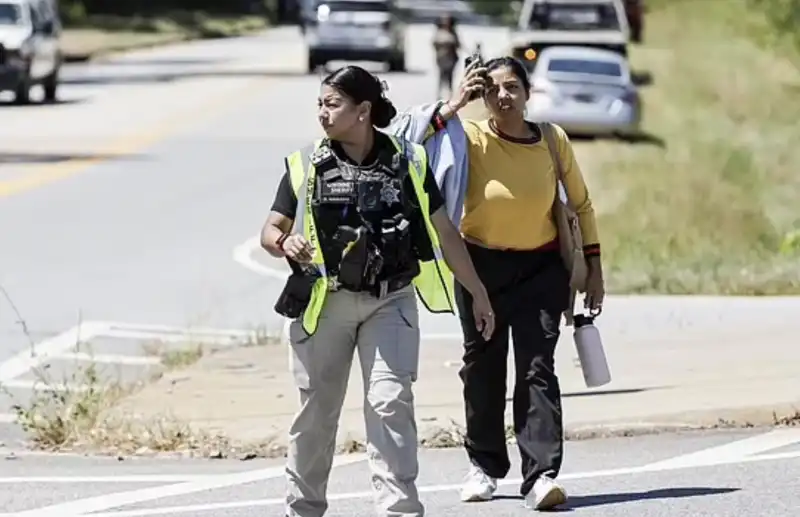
<point x="770" y="415"/>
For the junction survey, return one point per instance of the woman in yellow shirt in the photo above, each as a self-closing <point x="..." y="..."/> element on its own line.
<point x="512" y="239"/>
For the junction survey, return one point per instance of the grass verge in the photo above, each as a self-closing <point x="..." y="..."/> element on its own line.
<point x="709" y="205"/>
<point x="78" y="413"/>
<point x="97" y="35"/>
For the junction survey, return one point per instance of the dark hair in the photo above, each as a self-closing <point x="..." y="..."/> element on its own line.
<point x="360" y="86"/>
<point x="446" y="22"/>
<point x="516" y="66"/>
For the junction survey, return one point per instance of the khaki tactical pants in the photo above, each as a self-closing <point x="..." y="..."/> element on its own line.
<point x="386" y="334"/>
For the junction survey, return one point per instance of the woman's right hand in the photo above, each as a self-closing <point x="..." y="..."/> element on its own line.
<point x="483" y="314"/>
<point x="474" y="81"/>
<point x="297" y="248"/>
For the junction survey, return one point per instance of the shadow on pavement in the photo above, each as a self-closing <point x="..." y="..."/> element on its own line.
<point x="162" y="62"/>
<point x="593" y="393"/>
<point x="642" y="138"/>
<point x="586" y="501"/>
<point x="641" y="77"/>
<point x="111" y="79"/>
<point x="7" y="157"/>
<point x="35" y="104"/>
<point x="583" y="501"/>
<point x="645" y="138"/>
<point x="598" y="393"/>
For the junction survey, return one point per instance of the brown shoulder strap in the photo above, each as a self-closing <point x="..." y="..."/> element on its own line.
<point x="549" y="136"/>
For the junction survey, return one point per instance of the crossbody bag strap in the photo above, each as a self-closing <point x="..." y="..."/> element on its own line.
<point x="561" y="195"/>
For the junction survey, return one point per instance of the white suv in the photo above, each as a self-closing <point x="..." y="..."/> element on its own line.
<point x="30" y="52"/>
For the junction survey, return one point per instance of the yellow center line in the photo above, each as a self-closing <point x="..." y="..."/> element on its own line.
<point x="46" y="174"/>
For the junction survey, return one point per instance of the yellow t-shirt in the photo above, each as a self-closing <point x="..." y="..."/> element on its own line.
<point x="511" y="188"/>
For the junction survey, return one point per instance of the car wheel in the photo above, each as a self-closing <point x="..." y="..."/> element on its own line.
<point x="397" y="64"/>
<point x="22" y="93"/>
<point x="51" y="87"/>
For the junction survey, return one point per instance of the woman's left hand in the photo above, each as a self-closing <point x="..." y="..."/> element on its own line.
<point x="595" y="289"/>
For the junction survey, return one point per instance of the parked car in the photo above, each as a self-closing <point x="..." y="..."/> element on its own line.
<point x="599" y="24"/>
<point x="586" y="91"/>
<point x="356" y="30"/>
<point x="30" y="52"/>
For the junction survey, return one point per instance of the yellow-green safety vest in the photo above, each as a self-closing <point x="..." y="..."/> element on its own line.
<point x="434" y="284"/>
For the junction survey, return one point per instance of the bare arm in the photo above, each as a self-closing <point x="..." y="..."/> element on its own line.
<point x="274" y="228"/>
<point x="456" y="255"/>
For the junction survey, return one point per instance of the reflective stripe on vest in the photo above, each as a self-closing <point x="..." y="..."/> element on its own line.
<point x="434" y="284"/>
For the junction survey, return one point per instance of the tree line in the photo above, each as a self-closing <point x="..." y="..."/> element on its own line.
<point x="77" y="8"/>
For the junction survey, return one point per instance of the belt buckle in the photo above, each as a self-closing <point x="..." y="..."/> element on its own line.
<point x="333" y="284"/>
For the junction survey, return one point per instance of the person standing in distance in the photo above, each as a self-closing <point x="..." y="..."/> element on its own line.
<point x="446" y="45"/>
<point x="512" y="237"/>
<point x="361" y="209"/>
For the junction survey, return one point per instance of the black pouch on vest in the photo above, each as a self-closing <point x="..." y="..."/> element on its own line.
<point x="354" y="263"/>
<point x="296" y="295"/>
<point x="369" y="196"/>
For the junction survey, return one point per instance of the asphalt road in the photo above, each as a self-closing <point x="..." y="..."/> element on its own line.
<point x="122" y="205"/>
<point x="716" y="474"/>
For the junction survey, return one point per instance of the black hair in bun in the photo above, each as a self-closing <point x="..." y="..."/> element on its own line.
<point x="360" y="85"/>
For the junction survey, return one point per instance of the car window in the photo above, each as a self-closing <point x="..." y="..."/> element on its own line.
<point x="585" y="66"/>
<point x="10" y="14"/>
<point x="583" y="16"/>
<point x="357" y="6"/>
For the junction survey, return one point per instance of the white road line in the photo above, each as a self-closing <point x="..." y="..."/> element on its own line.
<point x="179" y="339"/>
<point x="243" y="254"/>
<point x="115" y="500"/>
<point x="730" y="451"/>
<point x="144" y="478"/>
<point x="108" y="358"/>
<point x="29" y="359"/>
<point x="148" y="330"/>
<point x="23" y="384"/>
<point x="194" y="509"/>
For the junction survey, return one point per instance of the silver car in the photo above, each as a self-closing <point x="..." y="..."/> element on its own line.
<point x="356" y="30"/>
<point x="30" y="51"/>
<point x="586" y="91"/>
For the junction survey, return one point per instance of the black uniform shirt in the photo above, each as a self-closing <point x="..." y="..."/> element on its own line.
<point x="328" y="219"/>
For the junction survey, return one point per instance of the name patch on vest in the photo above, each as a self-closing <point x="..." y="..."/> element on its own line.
<point x="338" y="192"/>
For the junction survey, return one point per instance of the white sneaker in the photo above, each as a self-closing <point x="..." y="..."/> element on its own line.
<point x="545" y="495"/>
<point x="478" y="486"/>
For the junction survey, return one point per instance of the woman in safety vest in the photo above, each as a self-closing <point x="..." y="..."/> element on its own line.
<point x="310" y="222"/>
<point x="512" y="237"/>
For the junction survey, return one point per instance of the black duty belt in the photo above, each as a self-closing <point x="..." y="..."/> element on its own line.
<point x="380" y="290"/>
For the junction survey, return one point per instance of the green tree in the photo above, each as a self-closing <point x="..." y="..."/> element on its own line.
<point x="494" y="8"/>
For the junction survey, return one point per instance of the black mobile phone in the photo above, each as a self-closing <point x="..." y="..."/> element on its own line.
<point x="475" y="57"/>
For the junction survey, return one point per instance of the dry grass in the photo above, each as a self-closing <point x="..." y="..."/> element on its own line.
<point x="78" y="413"/>
<point x="714" y="209"/>
<point x="82" y="43"/>
<point x="101" y="35"/>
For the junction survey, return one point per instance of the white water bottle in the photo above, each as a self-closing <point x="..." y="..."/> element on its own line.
<point x="590" y="352"/>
